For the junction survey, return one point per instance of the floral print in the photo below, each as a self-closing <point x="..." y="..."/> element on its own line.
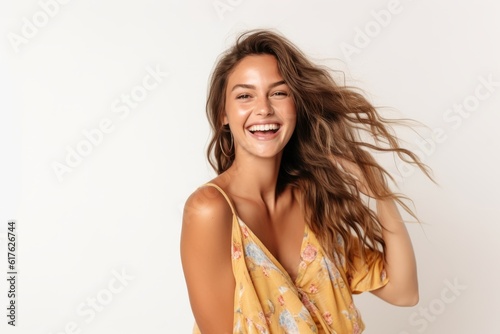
<point x="309" y="253"/>
<point x="236" y="251"/>
<point x="328" y="317"/>
<point x="287" y="322"/>
<point x="319" y="301"/>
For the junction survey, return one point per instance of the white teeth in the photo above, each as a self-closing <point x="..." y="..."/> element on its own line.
<point x="264" y="127"/>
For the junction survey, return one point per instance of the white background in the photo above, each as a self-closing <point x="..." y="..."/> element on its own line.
<point x="120" y="208"/>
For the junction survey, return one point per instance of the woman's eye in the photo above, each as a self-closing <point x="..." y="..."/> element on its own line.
<point x="280" y="94"/>
<point x="243" y="96"/>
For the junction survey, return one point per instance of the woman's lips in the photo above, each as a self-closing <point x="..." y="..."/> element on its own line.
<point x="264" y="131"/>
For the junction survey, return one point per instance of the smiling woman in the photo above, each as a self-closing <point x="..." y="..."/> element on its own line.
<point x="280" y="240"/>
<point x="259" y="107"/>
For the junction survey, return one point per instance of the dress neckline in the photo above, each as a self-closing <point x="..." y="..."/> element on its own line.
<point x="269" y="254"/>
<point x="273" y="258"/>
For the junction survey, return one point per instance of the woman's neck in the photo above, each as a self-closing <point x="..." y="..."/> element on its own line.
<point x="254" y="178"/>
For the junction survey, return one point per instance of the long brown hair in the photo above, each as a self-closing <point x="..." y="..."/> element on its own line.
<point x="330" y="119"/>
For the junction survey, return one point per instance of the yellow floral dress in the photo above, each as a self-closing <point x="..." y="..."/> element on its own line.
<point x="267" y="300"/>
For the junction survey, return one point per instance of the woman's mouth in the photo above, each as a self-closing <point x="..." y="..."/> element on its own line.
<point x="264" y="128"/>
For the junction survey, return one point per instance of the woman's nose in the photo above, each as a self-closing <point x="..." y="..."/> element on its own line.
<point x="263" y="107"/>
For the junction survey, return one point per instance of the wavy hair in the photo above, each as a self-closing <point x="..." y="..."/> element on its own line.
<point x="330" y="121"/>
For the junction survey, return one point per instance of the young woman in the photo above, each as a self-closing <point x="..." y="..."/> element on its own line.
<point x="280" y="240"/>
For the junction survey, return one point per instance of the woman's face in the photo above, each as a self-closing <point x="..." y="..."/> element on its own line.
<point x="259" y="107"/>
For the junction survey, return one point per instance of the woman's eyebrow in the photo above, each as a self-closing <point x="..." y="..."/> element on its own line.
<point x="277" y="83"/>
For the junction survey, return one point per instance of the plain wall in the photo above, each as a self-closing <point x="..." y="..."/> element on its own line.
<point x="98" y="245"/>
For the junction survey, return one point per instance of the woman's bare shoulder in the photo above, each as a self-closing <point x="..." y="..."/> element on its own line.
<point x="206" y="258"/>
<point x="206" y="204"/>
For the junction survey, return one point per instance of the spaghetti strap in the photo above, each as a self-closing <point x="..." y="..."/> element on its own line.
<point x="224" y="194"/>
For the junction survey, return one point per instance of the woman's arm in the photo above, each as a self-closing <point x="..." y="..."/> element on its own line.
<point x="400" y="263"/>
<point x="206" y="260"/>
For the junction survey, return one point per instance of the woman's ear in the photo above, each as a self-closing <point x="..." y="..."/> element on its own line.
<point x="225" y="121"/>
